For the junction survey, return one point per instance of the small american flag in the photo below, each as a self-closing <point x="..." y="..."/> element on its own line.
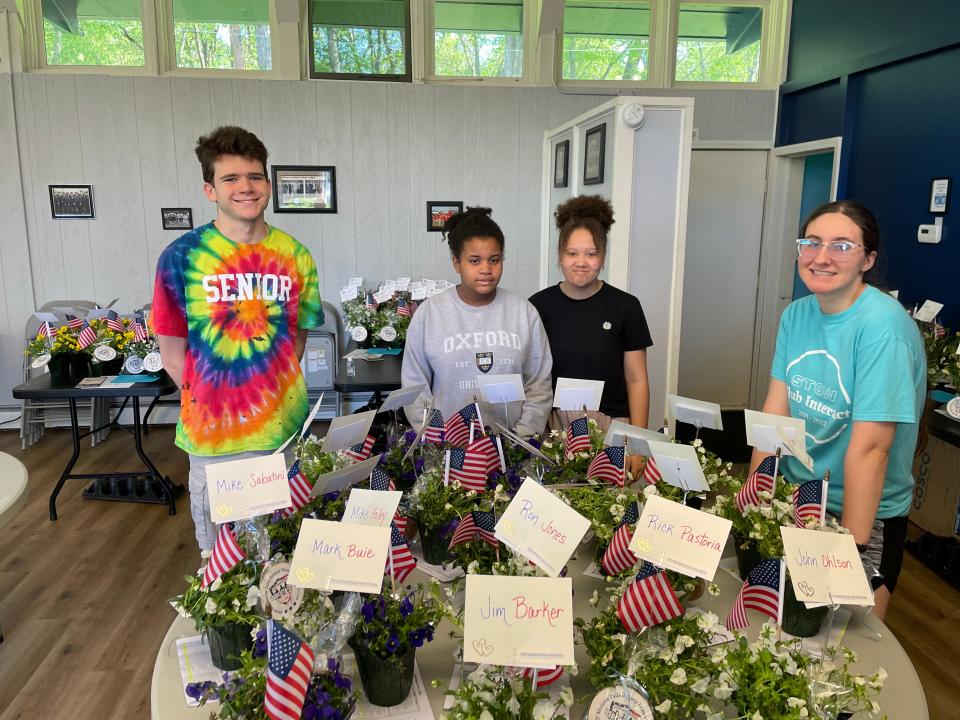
<point x="577" y="438"/>
<point x="761" y="480"/>
<point x="361" y="451"/>
<point x="114" y="322"/>
<point x="289" y="667"/>
<point x="939" y="330"/>
<point x="808" y="500"/>
<point x="140" y="328"/>
<point x="403" y="310"/>
<point x="475" y="525"/>
<point x="618" y="556"/>
<point x="469" y="468"/>
<point x="650" y="600"/>
<point x="45" y="331"/>
<point x="457" y="428"/>
<point x="651" y="473"/>
<point x="300" y="488"/>
<point x="608" y="466"/>
<point x="73" y="322"/>
<point x="433" y="433"/>
<point x="370" y="303"/>
<point x="403" y="562"/>
<point x="87" y="336"/>
<point x="761" y="591"/>
<point x="545" y="676"/>
<point x="413" y="306"/>
<point x="380" y="480"/>
<point x="226" y="553"/>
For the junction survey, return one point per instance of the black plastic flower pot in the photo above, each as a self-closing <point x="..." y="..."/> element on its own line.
<point x="79" y="366"/>
<point x="797" y="619"/>
<point x="227" y="642"/>
<point x="747" y="557"/>
<point x="436" y="548"/>
<point x="111" y="367"/>
<point x="386" y="682"/>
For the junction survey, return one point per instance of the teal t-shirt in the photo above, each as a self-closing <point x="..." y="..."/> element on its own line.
<point x="866" y="363"/>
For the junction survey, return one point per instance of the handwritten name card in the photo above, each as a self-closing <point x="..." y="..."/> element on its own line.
<point x="677" y="537"/>
<point x="541" y="527"/>
<point x="241" y="489"/>
<point x="825" y="567"/>
<point x="371" y="507"/>
<point x="523" y="621"/>
<point x="337" y="556"/>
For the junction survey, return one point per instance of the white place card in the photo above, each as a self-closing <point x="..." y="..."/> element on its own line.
<point x="402" y="397"/>
<point x="520" y="621"/>
<point x="381" y="296"/>
<point x="337" y="556"/>
<point x="677" y="537"/>
<point x="356" y="281"/>
<point x="765" y="431"/>
<point x="825" y="567"/>
<point x="418" y="293"/>
<point x="679" y="465"/>
<point x="338" y="480"/>
<point x="698" y="413"/>
<point x="46" y="317"/>
<point x="306" y="425"/>
<point x="636" y="439"/>
<point x="501" y="388"/>
<point x="576" y="394"/>
<point x="520" y="442"/>
<point x="541" y="527"/>
<point x="928" y="311"/>
<point x="348" y="430"/>
<point x="241" y="489"/>
<point x="348" y="293"/>
<point x="371" y="507"/>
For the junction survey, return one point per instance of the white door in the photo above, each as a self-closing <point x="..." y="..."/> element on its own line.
<point x="721" y="270"/>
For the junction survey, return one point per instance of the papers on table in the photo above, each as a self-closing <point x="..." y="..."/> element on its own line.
<point x="196" y="665"/>
<point x="415" y="707"/>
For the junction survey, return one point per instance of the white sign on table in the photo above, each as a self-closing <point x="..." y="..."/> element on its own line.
<point x="521" y="621"/>
<point x="576" y="395"/>
<point x="636" y="439"/>
<point x="241" y="489"/>
<point x="371" y="507"/>
<point x="337" y="480"/>
<point x="337" y="556"/>
<point x="765" y="431"/>
<point x="699" y="413"/>
<point x="825" y="567"/>
<point x="501" y="388"/>
<point x="402" y="397"/>
<point x="679" y="465"/>
<point x="348" y="430"/>
<point x="928" y="311"/>
<point x="541" y="527"/>
<point x="677" y="537"/>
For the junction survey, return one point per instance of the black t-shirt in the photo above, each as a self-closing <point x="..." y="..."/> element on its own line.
<point x="589" y="337"/>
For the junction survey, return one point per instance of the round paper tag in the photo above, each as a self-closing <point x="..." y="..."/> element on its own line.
<point x="359" y="333"/>
<point x="152" y="362"/>
<point x="283" y="599"/>
<point x="388" y="333"/>
<point x="104" y="353"/>
<point x="617" y="702"/>
<point x="134" y="365"/>
<point x="953" y="407"/>
<point x="40" y="360"/>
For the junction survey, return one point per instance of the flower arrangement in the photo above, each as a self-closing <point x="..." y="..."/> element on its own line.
<point x="404" y="472"/>
<point x="570" y="468"/>
<point x="375" y="321"/>
<point x="330" y="695"/>
<point x="940" y="344"/>
<point x="491" y="692"/>
<point x="232" y="598"/>
<point x="64" y="340"/>
<point x="392" y="624"/>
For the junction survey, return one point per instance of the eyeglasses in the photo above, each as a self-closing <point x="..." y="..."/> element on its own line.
<point x="836" y="249"/>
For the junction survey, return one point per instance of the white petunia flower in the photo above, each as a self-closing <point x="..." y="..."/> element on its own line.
<point x="215" y="585"/>
<point x="665" y="706"/>
<point x="211" y="606"/>
<point x="701" y="685"/>
<point x="543" y="710"/>
<point x="566" y="696"/>
<point x="253" y="596"/>
<point x="679" y="677"/>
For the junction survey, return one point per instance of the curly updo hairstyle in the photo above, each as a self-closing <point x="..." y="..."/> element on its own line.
<point x="593" y="213"/>
<point x="472" y="222"/>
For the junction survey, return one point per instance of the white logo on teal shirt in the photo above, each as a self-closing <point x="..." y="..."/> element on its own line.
<point x="818" y="395"/>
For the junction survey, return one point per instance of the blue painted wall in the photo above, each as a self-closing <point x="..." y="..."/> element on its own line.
<point x="817" y="174"/>
<point x="886" y="77"/>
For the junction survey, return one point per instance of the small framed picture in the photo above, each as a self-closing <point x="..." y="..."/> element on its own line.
<point x="439" y="211"/>
<point x="561" y="163"/>
<point x="177" y="218"/>
<point x="71" y="201"/>
<point x="304" y="188"/>
<point x="594" y="142"/>
<point x="940" y="195"/>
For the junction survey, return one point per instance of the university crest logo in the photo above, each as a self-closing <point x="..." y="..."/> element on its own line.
<point x="484" y="361"/>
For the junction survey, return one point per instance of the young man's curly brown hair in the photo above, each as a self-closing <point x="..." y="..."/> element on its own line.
<point x="228" y="140"/>
<point x="593" y="213"/>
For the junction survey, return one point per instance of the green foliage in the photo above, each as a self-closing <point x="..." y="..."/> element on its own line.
<point x="222" y="46"/>
<point x="364" y="51"/>
<point x="471" y="54"/>
<point x="492" y="692"/>
<point x="605" y="58"/>
<point x="233" y="597"/>
<point x="391" y="624"/>
<point x="99" y="42"/>
<point x="708" y="61"/>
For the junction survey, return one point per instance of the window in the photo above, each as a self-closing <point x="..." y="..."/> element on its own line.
<point x="478" y="39"/>
<point x="93" y="32"/>
<point x="606" y="40"/>
<point x="360" y="38"/>
<point x="231" y="35"/>
<point x="718" y="43"/>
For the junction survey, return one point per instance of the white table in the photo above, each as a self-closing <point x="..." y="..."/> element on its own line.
<point x="13" y="490"/>
<point x="902" y="697"/>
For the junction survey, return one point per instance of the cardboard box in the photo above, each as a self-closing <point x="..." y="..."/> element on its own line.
<point x="936" y="491"/>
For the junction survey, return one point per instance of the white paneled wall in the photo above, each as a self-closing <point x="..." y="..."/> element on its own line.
<point x="394" y="146"/>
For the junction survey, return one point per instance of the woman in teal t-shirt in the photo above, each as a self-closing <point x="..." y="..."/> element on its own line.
<point x="850" y="362"/>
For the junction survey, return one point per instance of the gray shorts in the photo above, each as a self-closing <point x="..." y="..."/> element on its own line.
<point x="883" y="556"/>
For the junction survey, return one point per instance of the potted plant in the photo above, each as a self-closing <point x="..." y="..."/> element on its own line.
<point x="386" y="636"/>
<point x="67" y="364"/>
<point x="383" y="326"/>
<point x="116" y="341"/>
<point x="437" y="508"/>
<point x="491" y="692"/>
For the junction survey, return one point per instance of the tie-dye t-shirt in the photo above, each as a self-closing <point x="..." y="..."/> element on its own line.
<point x="240" y="307"/>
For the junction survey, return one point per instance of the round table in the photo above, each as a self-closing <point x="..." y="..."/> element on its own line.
<point x="13" y="490"/>
<point x="902" y="697"/>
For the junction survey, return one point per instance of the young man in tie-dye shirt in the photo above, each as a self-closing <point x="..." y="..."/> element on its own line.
<point x="232" y="304"/>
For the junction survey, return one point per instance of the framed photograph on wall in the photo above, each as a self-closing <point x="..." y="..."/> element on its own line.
<point x="177" y="218"/>
<point x="561" y="163"/>
<point x="304" y="188"/>
<point x="439" y="211"/>
<point x="71" y="201"/>
<point x="594" y="142"/>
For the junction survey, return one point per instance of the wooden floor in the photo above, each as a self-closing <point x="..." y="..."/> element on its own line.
<point x="83" y="601"/>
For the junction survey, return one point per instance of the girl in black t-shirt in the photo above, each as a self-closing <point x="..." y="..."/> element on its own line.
<point x="596" y="331"/>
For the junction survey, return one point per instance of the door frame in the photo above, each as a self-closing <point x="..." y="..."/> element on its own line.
<point x="781" y="216"/>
